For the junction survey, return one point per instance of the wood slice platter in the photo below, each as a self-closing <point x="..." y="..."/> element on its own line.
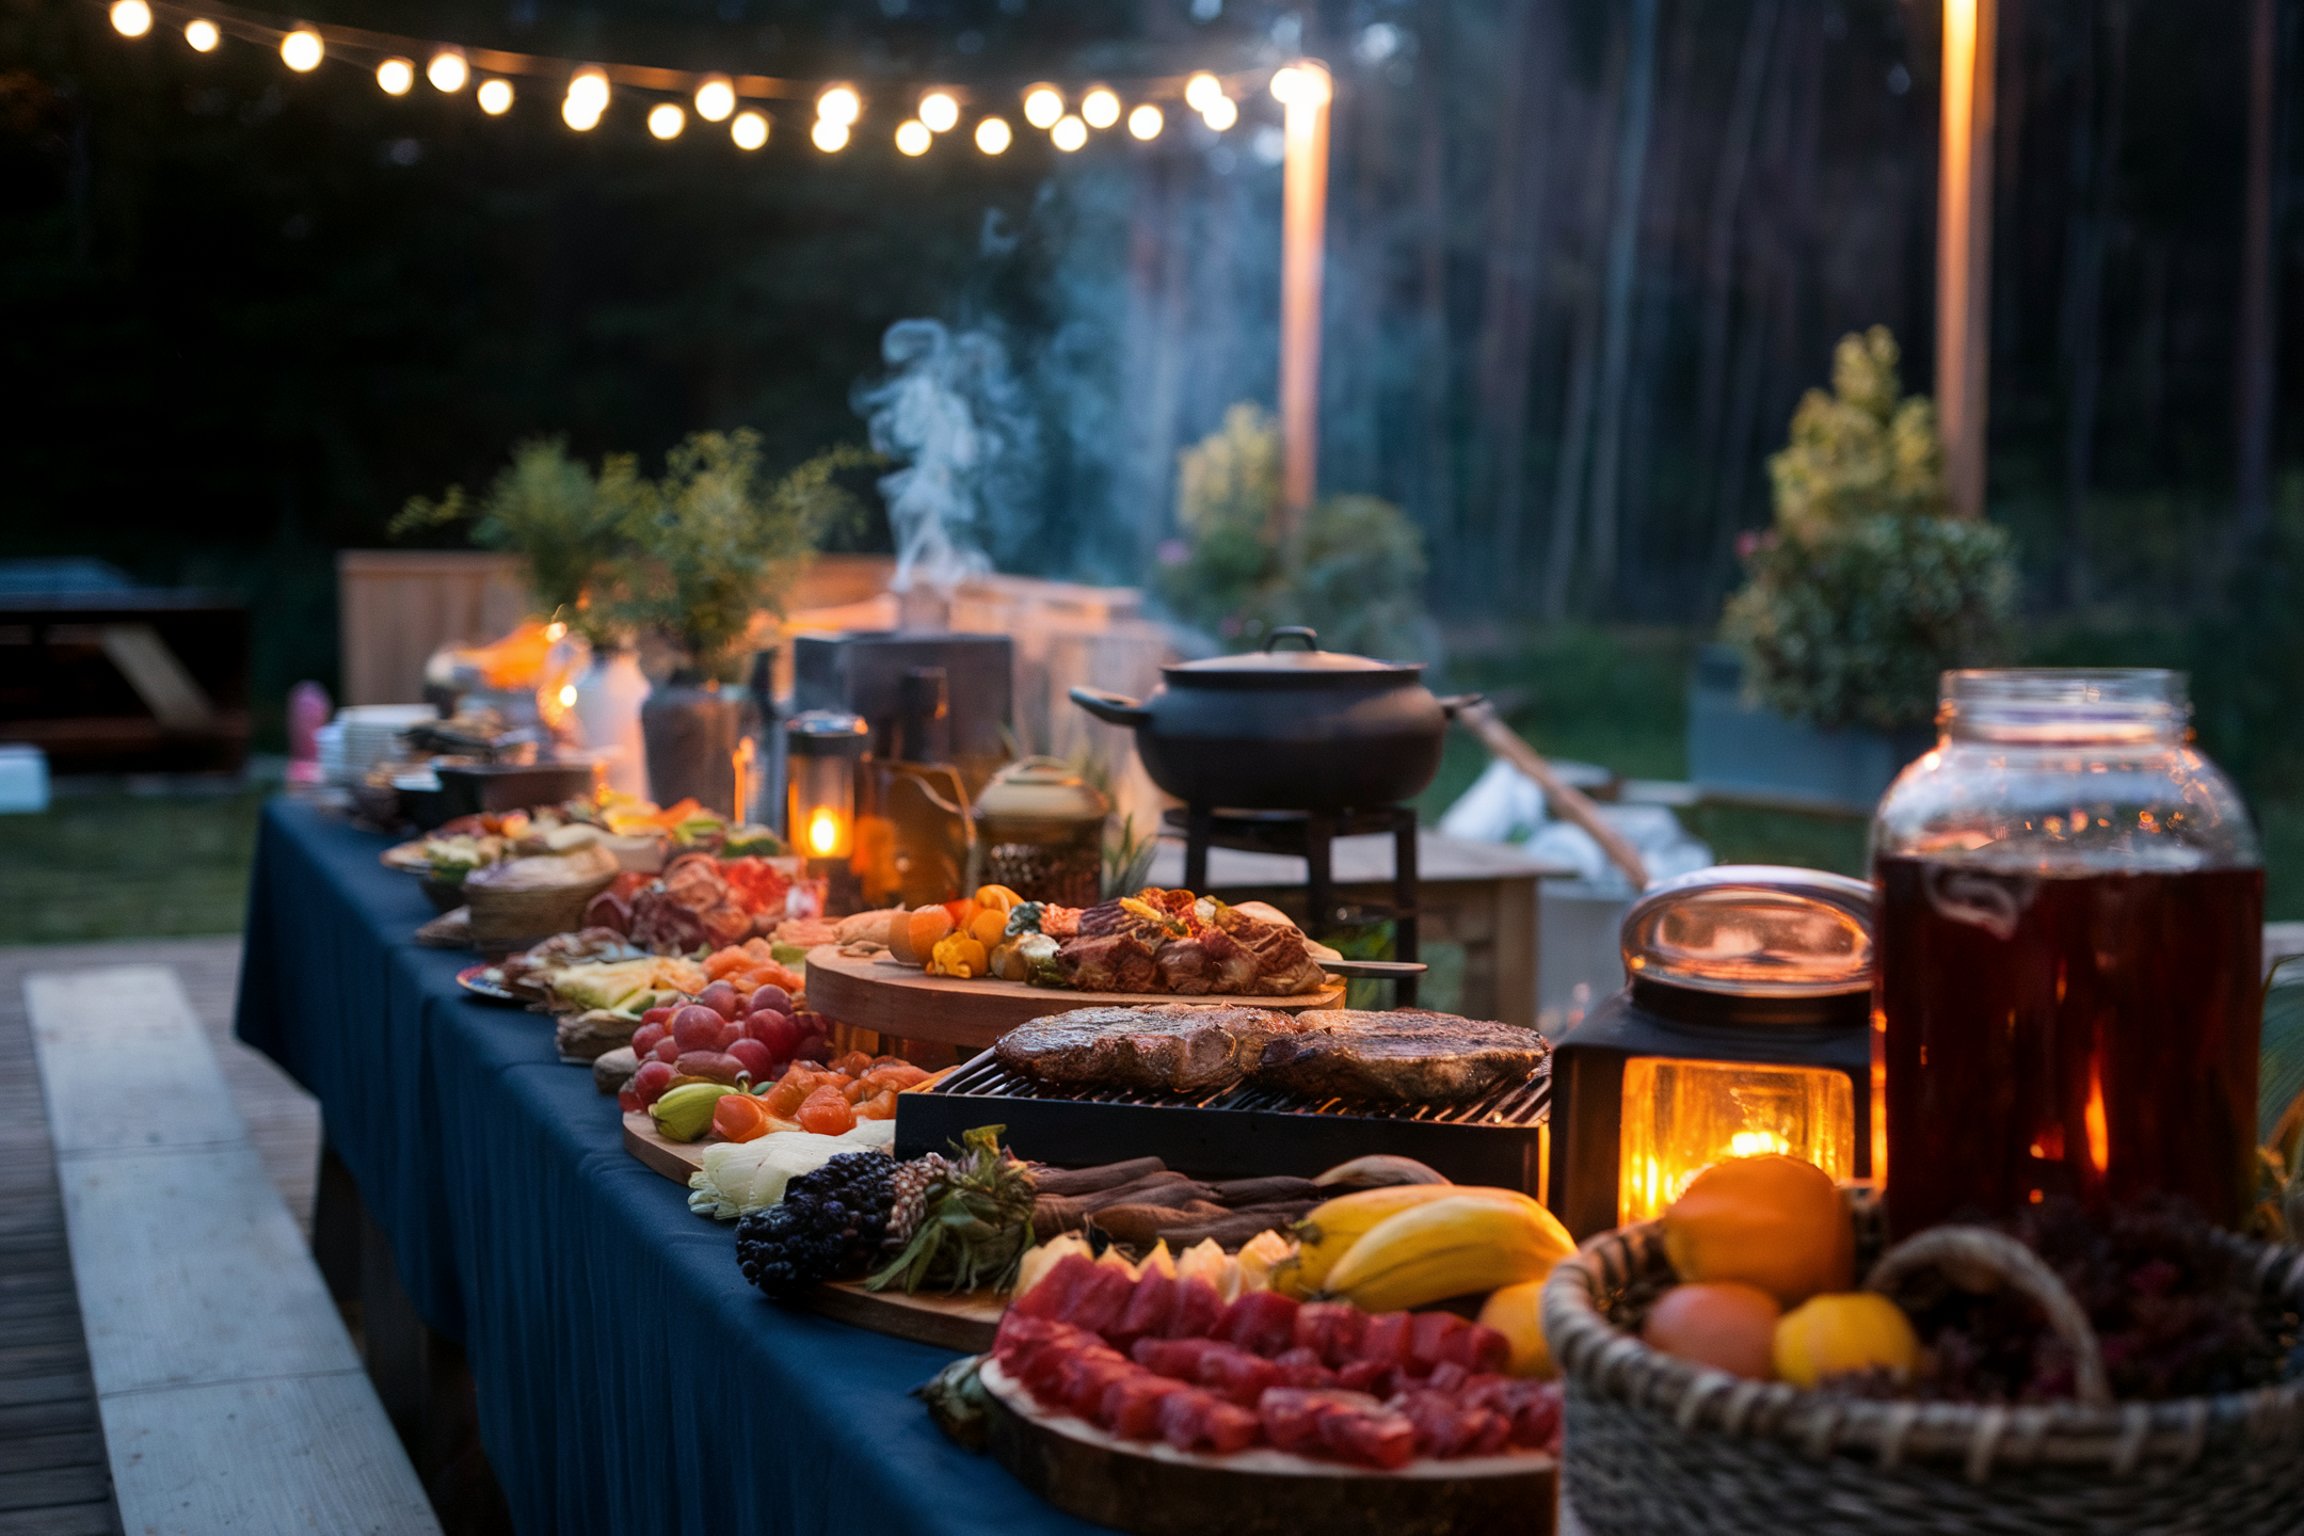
<point x="964" y="1323"/>
<point x="875" y="992"/>
<point x="1155" y="1490"/>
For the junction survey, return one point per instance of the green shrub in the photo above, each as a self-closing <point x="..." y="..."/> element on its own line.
<point x="1866" y="588"/>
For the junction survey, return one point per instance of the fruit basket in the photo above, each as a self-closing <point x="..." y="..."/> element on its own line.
<point x="1657" y="1443"/>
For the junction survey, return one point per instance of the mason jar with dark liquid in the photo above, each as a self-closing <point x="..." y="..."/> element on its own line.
<point x="2070" y="932"/>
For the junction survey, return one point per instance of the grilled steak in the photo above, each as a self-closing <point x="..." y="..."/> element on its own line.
<point x="1178" y="1047"/>
<point x="1403" y="1054"/>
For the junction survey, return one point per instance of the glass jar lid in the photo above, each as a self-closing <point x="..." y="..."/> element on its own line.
<point x="1753" y="930"/>
<point x="1041" y="789"/>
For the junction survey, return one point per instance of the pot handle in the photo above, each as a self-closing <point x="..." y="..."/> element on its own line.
<point x="1113" y="708"/>
<point x="1454" y="704"/>
<point x="1303" y="632"/>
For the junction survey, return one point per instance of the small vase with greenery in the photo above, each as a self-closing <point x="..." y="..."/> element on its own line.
<point x="1353" y="570"/>
<point x="1867" y="586"/>
<point x="710" y="545"/>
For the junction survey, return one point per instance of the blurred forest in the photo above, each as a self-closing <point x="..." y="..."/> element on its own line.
<point x="1584" y="257"/>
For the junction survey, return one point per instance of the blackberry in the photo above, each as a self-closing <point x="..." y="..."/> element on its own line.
<point x="827" y="1227"/>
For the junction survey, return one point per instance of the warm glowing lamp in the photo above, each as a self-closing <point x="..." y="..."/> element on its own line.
<point x="448" y="71"/>
<point x="1745" y="1029"/>
<point x="1043" y="104"/>
<point x="588" y="89"/>
<point x="1220" y="113"/>
<point x="495" y="97"/>
<point x="840" y="104"/>
<point x="993" y="135"/>
<point x="131" y="18"/>
<point x="395" y="77"/>
<point x="1100" y="108"/>
<point x="715" y="98"/>
<point x="302" y="50"/>
<point x="749" y="130"/>
<point x="1069" y="133"/>
<point x="940" y="111"/>
<point x="201" y="33"/>
<point x="665" y="120"/>
<point x="822" y="749"/>
<point x="1201" y="90"/>
<point x="1145" y="122"/>
<point x="913" y="137"/>
<point x="829" y="136"/>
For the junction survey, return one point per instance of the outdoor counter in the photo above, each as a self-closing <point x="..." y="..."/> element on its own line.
<point x="628" y="1379"/>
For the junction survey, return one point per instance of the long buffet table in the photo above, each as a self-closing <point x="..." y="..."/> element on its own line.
<point x="627" y="1378"/>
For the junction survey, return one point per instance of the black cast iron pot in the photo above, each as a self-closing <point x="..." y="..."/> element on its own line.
<point x="1298" y="730"/>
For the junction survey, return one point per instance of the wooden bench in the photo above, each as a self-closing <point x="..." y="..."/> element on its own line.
<point x="230" y="1396"/>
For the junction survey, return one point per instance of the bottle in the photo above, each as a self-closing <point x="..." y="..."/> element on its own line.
<point x="2071" y="907"/>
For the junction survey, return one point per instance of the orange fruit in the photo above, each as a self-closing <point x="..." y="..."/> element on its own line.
<point x="1774" y="1222"/>
<point x="1726" y="1325"/>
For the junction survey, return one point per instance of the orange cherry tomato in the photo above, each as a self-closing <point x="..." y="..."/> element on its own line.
<point x="740" y="1117"/>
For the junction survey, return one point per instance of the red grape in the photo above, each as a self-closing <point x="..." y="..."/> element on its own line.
<point x="754" y="1057"/>
<point x="627" y="1100"/>
<point x="721" y="998"/>
<point x="730" y="1033"/>
<point x="667" y="1050"/>
<point x="770" y="997"/>
<point x="697" y="1028"/>
<point x="649" y="1083"/>
<point x="645" y="1037"/>
<point x="719" y="1066"/>
<point x="658" y="1015"/>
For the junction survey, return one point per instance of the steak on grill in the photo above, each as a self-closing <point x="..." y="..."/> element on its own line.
<point x="1405" y="1053"/>
<point x="1175" y="1047"/>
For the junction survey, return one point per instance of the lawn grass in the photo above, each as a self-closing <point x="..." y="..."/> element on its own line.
<point x="113" y="864"/>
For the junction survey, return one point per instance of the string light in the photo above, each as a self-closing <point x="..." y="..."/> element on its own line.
<point x="1284" y="84"/>
<point x="448" y="71"/>
<point x="395" y="76"/>
<point x="1043" y="104"/>
<point x="715" y="98"/>
<point x="1100" y="108"/>
<point x="201" y="33"/>
<point x="131" y="18"/>
<point x="993" y="135"/>
<point x="939" y="112"/>
<point x="588" y="87"/>
<point x="829" y="136"/>
<point x="495" y="97"/>
<point x="841" y="107"/>
<point x="1202" y="89"/>
<point x="749" y="130"/>
<point x="579" y="113"/>
<point x="1300" y="85"/>
<point x="1145" y="122"/>
<point x="665" y="120"/>
<point x="302" y="50"/>
<point x="1221" y="113"/>
<point x="1068" y="134"/>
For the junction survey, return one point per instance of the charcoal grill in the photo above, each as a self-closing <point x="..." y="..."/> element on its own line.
<point x="1241" y="1131"/>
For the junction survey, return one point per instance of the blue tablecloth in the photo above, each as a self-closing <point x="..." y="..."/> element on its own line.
<point x="628" y="1379"/>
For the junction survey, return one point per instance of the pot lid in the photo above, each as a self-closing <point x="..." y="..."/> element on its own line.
<point x="1753" y="930"/>
<point x="1301" y="662"/>
<point x="1041" y="789"/>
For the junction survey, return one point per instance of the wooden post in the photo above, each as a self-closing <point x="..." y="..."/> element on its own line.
<point x="1964" y="247"/>
<point x="1304" y="90"/>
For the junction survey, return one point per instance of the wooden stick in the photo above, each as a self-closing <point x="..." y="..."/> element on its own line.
<point x="1569" y="802"/>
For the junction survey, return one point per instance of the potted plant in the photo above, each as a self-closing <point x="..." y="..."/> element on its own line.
<point x="708" y="546"/>
<point x="1866" y="587"/>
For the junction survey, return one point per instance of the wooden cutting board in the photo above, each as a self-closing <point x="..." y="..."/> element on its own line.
<point x="1154" y="1490"/>
<point x="874" y="992"/>
<point x="964" y="1323"/>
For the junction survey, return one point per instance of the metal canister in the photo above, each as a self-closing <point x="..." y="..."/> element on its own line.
<point x="1040" y="832"/>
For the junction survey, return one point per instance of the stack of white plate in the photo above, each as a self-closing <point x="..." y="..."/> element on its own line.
<point x="363" y="735"/>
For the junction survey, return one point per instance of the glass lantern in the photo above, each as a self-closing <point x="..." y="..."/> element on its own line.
<point x="1745" y="1029"/>
<point x="822" y="750"/>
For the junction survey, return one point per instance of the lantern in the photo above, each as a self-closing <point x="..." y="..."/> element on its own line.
<point x="1745" y="1029"/>
<point x="822" y="749"/>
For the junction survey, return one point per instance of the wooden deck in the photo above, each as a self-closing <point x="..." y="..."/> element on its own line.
<point x="54" y="1471"/>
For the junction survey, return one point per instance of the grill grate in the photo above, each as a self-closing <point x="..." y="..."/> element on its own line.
<point x="1523" y="1104"/>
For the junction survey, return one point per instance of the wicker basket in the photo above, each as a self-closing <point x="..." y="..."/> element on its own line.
<point x="1657" y="1444"/>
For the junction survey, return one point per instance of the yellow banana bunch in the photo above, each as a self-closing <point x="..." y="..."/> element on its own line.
<point x="1465" y="1241"/>
<point x="1331" y="1229"/>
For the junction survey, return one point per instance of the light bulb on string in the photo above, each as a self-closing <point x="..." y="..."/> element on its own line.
<point x="913" y="137"/>
<point x="749" y="130"/>
<point x="1202" y="89"/>
<point x="715" y="98"/>
<point x="939" y="112"/>
<point x="1221" y="113"/>
<point x="1100" y="108"/>
<point x="1068" y="134"/>
<point x="131" y="18"/>
<point x="495" y="97"/>
<point x="394" y="77"/>
<point x="1284" y="84"/>
<point x="589" y="88"/>
<point x="665" y="120"/>
<point x="1146" y="121"/>
<point x="829" y="136"/>
<point x="993" y="135"/>
<point x="1043" y="104"/>
<point x="1300" y="85"/>
<point x="840" y="106"/>
<point x="201" y="33"/>
<point x="448" y="71"/>
<point x="579" y="113"/>
<point x="302" y="50"/>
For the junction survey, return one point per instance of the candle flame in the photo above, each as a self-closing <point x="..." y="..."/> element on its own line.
<point x="2099" y="1130"/>
<point x="823" y="833"/>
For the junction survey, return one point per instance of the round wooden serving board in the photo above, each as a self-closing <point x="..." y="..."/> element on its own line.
<point x="874" y="992"/>
<point x="1153" y="1489"/>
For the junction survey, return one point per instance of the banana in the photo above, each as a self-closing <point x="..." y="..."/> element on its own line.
<point x="1462" y="1243"/>
<point x="1379" y="1168"/>
<point x="1330" y="1230"/>
<point x="685" y="1113"/>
